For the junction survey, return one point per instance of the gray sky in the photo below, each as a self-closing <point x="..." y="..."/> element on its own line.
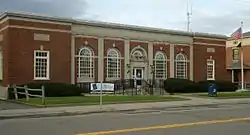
<point x="213" y="16"/>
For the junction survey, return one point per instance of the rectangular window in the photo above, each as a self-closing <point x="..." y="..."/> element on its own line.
<point x="236" y="54"/>
<point x="210" y="69"/>
<point x="41" y="65"/>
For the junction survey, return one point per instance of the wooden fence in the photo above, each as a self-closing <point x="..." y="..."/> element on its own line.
<point x="27" y="94"/>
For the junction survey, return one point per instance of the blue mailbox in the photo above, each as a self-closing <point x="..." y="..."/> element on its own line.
<point x="212" y="89"/>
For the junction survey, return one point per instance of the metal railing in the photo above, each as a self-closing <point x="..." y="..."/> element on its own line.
<point x="129" y="87"/>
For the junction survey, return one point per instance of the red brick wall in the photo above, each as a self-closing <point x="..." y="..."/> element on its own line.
<point x="21" y="60"/>
<point x="3" y="24"/>
<point x="119" y="45"/>
<point x="93" y="44"/>
<point x="39" y="24"/>
<point x="4" y="45"/>
<point x="166" y="50"/>
<point x="201" y="55"/>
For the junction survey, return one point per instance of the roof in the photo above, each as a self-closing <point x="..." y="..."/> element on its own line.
<point x="110" y="25"/>
<point x="237" y="65"/>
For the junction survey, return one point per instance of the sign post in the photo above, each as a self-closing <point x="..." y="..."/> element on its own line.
<point x="101" y="88"/>
<point x="101" y="95"/>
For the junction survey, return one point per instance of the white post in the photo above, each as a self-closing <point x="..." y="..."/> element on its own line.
<point x="242" y="59"/>
<point x="242" y="70"/>
<point x="26" y="92"/>
<point x="101" y="94"/>
<point x="43" y="95"/>
<point x="232" y="76"/>
<point x="15" y="92"/>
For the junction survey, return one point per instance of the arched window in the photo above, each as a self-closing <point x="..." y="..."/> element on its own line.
<point x="160" y="66"/>
<point x="113" y="64"/>
<point x="85" y="63"/>
<point x="181" y="66"/>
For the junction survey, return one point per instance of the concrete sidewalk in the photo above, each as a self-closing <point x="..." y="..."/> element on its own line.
<point x="81" y="110"/>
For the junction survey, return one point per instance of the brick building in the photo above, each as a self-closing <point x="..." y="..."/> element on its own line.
<point x="233" y="61"/>
<point x="40" y="48"/>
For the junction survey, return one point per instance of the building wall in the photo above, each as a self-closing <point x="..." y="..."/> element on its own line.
<point x="230" y="45"/>
<point x="210" y="48"/>
<point x="229" y="49"/>
<point x="65" y="40"/>
<point x="4" y="47"/>
<point x="23" y="38"/>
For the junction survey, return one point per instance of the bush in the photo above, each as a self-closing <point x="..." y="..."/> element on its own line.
<point x="51" y="90"/>
<point x="173" y="85"/>
<point x="222" y="86"/>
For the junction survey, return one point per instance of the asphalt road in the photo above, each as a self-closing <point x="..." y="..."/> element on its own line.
<point x="6" y="105"/>
<point x="230" y="120"/>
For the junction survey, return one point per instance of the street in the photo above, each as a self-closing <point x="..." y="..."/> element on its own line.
<point x="4" y="105"/>
<point x="227" y="119"/>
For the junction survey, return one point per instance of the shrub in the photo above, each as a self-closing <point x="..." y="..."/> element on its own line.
<point x="222" y="86"/>
<point x="51" y="90"/>
<point x="173" y="85"/>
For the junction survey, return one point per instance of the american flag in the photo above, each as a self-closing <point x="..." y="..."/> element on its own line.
<point x="237" y="34"/>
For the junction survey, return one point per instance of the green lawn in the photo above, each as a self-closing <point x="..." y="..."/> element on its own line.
<point x="226" y="95"/>
<point x="92" y="100"/>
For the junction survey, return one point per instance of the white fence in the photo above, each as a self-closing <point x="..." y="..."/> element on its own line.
<point x="27" y="94"/>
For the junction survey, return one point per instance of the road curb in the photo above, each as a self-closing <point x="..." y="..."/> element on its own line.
<point x="65" y="113"/>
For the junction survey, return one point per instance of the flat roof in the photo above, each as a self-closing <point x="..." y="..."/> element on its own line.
<point x="110" y="25"/>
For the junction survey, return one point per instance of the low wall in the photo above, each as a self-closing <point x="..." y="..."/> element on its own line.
<point x="3" y="93"/>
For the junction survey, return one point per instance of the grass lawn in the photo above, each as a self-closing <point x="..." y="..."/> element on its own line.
<point x="226" y="95"/>
<point x="93" y="100"/>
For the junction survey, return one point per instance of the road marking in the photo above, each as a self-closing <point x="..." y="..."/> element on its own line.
<point x="182" y="111"/>
<point x="167" y="126"/>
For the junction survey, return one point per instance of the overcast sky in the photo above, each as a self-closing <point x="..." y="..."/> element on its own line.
<point x="211" y="16"/>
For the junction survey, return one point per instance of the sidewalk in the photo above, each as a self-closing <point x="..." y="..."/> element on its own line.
<point x="81" y="110"/>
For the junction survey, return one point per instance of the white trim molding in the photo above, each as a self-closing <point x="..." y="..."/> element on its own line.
<point x="34" y="28"/>
<point x="212" y="39"/>
<point x="73" y="60"/>
<point x="208" y="44"/>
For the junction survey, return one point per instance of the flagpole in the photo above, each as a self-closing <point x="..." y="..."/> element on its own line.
<point x="242" y="59"/>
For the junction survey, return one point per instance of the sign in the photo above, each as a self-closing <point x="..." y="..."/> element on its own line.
<point x="105" y="86"/>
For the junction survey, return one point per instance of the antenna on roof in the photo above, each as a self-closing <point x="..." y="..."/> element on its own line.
<point x="189" y="14"/>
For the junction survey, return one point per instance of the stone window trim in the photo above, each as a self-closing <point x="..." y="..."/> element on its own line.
<point x="138" y="54"/>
